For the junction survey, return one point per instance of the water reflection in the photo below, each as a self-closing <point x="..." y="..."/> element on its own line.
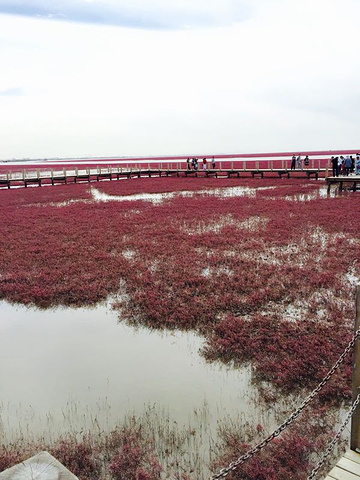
<point x="68" y="370"/>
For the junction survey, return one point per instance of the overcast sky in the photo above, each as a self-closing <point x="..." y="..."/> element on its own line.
<point x="148" y="77"/>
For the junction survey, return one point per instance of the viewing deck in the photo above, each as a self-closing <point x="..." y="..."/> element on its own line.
<point x="352" y="182"/>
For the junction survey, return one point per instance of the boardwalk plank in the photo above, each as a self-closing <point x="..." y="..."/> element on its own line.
<point x="349" y="465"/>
<point x="351" y="455"/>
<point x="347" y="468"/>
<point x="340" y="474"/>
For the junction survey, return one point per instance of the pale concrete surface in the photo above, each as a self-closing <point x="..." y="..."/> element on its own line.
<point x="42" y="466"/>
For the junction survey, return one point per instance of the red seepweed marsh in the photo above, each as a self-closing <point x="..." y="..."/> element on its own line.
<point x="264" y="271"/>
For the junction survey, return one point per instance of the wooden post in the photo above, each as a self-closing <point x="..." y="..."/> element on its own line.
<point x="355" y="420"/>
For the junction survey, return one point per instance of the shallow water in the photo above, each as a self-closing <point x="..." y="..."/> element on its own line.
<point x="76" y="369"/>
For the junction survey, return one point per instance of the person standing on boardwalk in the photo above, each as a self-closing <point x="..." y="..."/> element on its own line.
<point x="188" y="164"/>
<point x="306" y="161"/>
<point x="293" y="162"/>
<point x="204" y="163"/>
<point x="357" y="164"/>
<point x="340" y="165"/>
<point x="213" y="163"/>
<point x="298" y="161"/>
<point x="347" y="165"/>
<point x="335" y="166"/>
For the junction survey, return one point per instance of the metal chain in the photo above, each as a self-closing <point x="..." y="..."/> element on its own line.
<point x="242" y="459"/>
<point x="334" y="440"/>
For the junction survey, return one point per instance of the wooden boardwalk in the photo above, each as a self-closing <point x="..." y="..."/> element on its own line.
<point x="74" y="175"/>
<point x="347" y="468"/>
<point x="351" y="182"/>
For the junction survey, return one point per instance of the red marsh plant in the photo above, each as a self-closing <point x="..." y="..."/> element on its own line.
<point x="290" y="456"/>
<point x="265" y="280"/>
<point x="78" y="456"/>
<point x="132" y="462"/>
<point x="9" y="456"/>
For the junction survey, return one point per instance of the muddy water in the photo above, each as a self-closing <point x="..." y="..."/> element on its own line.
<point x="70" y="370"/>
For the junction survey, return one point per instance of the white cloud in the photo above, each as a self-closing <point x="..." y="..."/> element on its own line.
<point x="286" y="78"/>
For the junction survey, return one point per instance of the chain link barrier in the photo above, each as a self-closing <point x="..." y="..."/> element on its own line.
<point x="334" y="440"/>
<point x="243" y="458"/>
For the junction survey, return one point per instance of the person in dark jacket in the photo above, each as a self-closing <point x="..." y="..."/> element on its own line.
<point x="335" y="167"/>
<point x="293" y="162"/>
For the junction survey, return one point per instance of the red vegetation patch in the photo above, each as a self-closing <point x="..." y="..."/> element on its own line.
<point x="265" y="280"/>
<point x="290" y="456"/>
<point x="134" y="462"/>
<point x="78" y="457"/>
<point x="9" y="456"/>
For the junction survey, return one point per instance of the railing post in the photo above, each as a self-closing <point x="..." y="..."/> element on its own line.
<point x="355" y="420"/>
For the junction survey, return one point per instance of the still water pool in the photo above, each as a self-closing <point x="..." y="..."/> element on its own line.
<point x="75" y="369"/>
